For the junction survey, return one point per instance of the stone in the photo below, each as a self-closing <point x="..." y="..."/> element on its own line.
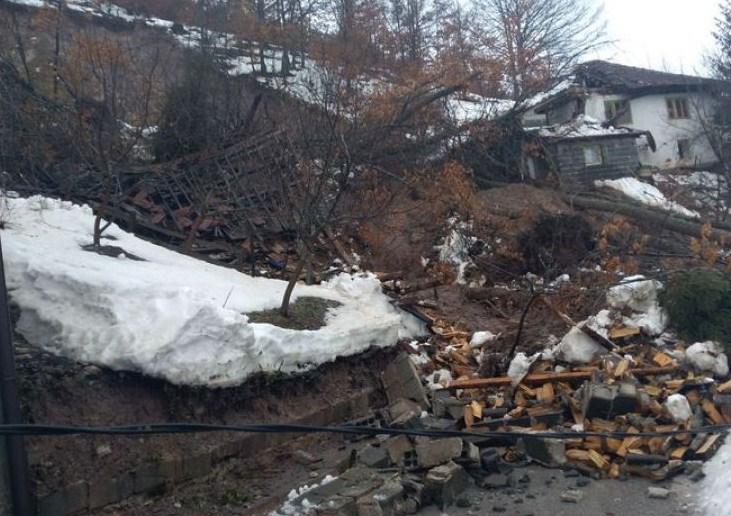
<point x="463" y="502"/>
<point x="304" y="458"/>
<point x="583" y="482"/>
<point x="604" y="401"/>
<point x="388" y="495"/>
<point x="445" y="483"/>
<point x="103" y="450"/>
<point x="547" y="452"/>
<point x="414" y="489"/>
<point x="439" y="424"/>
<point x="397" y="447"/>
<point x="374" y="457"/>
<point x="572" y="496"/>
<point x="401" y="381"/>
<point x="337" y="506"/>
<point x="658" y="492"/>
<point x="438" y="451"/>
<point x="369" y="507"/>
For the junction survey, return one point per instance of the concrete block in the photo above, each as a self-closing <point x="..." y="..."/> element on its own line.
<point x="445" y="483"/>
<point x="70" y="499"/>
<point x="374" y="457"/>
<point x="604" y="401"/>
<point x="438" y="451"/>
<point x="548" y="452"/>
<point x="405" y="413"/>
<point x="401" y="380"/>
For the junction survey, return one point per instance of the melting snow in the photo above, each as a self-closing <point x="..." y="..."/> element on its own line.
<point x="165" y="316"/>
<point x="646" y="194"/>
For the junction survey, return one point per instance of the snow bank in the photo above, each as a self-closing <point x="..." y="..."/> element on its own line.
<point x="708" y="356"/>
<point x="714" y="495"/>
<point x="520" y="367"/>
<point x="646" y="194"/>
<point x="171" y="316"/>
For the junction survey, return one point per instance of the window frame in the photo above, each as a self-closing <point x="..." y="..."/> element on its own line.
<point x="687" y="144"/>
<point x="614" y="106"/>
<point x="678" y="108"/>
<point x="600" y="148"/>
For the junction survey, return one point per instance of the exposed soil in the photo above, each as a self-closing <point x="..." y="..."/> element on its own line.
<point x="56" y="391"/>
<point x="307" y="313"/>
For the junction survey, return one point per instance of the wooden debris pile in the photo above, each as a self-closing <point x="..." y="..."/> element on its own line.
<point x="655" y="409"/>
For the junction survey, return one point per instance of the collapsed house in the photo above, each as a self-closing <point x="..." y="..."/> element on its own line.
<point x="673" y="108"/>
<point x="580" y="151"/>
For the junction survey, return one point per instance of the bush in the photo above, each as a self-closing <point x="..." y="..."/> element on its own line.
<point x="699" y="305"/>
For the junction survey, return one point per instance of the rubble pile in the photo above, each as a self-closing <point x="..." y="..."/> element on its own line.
<point x="616" y="397"/>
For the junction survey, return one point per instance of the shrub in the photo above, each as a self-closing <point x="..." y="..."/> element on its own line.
<point x="699" y="305"/>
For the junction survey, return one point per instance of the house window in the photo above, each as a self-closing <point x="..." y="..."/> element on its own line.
<point x="619" y="111"/>
<point x="593" y="155"/>
<point x="684" y="149"/>
<point x="678" y="108"/>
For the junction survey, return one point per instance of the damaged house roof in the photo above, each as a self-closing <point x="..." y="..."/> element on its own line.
<point x="617" y="78"/>
<point x="583" y="127"/>
<point x="631" y="79"/>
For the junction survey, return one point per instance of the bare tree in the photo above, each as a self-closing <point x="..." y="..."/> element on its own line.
<point x="537" y="40"/>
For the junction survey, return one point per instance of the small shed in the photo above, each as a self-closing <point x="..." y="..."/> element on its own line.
<point x="581" y="151"/>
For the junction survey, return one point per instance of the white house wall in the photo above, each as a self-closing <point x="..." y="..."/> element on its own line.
<point x="650" y="113"/>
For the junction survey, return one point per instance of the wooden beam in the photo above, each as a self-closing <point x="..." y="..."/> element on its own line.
<point x="540" y="379"/>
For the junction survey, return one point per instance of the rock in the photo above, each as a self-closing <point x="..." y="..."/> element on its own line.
<point x="374" y="457"/>
<point x="464" y="502"/>
<point x="103" y="450"/>
<point x="388" y="495"/>
<point x="445" y="483"/>
<point x="401" y="381"/>
<point x="658" y="492"/>
<point x="583" y="482"/>
<point x="548" y="452"/>
<point x="304" y="458"/>
<point x="337" y="506"/>
<point x="438" y="451"/>
<point x="397" y="447"/>
<point x="572" y="496"/>
<point x="708" y="356"/>
<point x="679" y="408"/>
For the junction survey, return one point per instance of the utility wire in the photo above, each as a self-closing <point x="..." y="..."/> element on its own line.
<point x="189" y="428"/>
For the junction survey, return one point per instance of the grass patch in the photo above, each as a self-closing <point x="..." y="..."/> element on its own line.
<point x="307" y="313"/>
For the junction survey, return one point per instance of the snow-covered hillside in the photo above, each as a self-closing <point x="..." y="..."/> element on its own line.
<point x="170" y="315"/>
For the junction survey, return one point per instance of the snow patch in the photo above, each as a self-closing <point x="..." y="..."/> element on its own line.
<point x="708" y="356"/>
<point x="578" y="348"/>
<point x="164" y="315"/>
<point x="646" y="194"/>
<point x="641" y="296"/>
<point x="480" y="338"/>
<point x="520" y="367"/>
<point x="679" y="408"/>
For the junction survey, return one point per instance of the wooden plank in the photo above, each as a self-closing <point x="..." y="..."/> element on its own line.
<point x="540" y="379"/>
<point x="662" y="360"/>
<point x="724" y="388"/>
<point x="712" y="412"/>
<point x="622" y="332"/>
<point x="621" y="368"/>
<point x="709" y="447"/>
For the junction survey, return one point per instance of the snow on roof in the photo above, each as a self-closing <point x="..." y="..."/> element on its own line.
<point x="582" y="127"/>
<point x="470" y="107"/>
<point x="169" y="315"/>
<point x="539" y="98"/>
